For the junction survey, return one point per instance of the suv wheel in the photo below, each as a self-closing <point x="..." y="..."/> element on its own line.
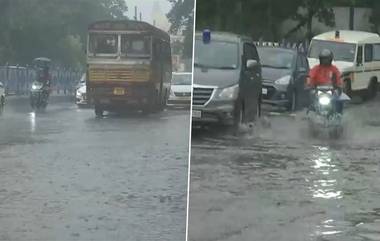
<point x="239" y="116"/>
<point x="292" y="105"/>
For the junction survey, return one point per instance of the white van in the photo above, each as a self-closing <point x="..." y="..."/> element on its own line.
<point x="357" y="56"/>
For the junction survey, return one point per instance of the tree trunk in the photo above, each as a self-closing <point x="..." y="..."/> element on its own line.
<point x="352" y="16"/>
<point x="309" y="31"/>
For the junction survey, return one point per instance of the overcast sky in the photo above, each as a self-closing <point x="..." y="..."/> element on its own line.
<point x="146" y="7"/>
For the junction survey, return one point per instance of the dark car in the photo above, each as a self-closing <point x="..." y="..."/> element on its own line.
<point x="284" y="72"/>
<point x="227" y="79"/>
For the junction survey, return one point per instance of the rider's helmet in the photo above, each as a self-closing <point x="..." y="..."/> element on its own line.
<point x="326" y="57"/>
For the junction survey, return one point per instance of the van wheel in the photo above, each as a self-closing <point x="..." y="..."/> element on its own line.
<point x="372" y="89"/>
<point x="347" y="87"/>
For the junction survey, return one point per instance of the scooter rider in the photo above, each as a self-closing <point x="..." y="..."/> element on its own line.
<point x="43" y="75"/>
<point x="327" y="74"/>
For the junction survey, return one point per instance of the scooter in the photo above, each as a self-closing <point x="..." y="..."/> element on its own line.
<point x="39" y="96"/>
<point x="39" y="93"/>
<point x="322" y="114"/>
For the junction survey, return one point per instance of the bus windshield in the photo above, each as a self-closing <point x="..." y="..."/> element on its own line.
<point x="103" y="44"/>
<point x="341" y="51"/>
<point x="133" y="45"/>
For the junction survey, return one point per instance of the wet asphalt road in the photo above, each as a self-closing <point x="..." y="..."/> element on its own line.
<point x="275" y="182"/>
<point x="65" y="175"/>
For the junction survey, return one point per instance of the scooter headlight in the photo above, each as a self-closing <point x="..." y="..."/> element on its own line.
<point x="324" y="100"/>
<point x="36" y="86"/>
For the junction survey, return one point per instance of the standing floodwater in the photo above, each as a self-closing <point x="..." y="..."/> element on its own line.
<point x="66" y="175"/>
<point x="278" y="183"/>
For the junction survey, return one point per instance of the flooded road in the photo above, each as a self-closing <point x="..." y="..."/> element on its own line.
<point x="277" y="183"/>
<point x="66" y="175"/>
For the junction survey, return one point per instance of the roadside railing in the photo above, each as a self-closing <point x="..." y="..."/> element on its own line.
<point x="18" y="79"/>
<point x="301" y="46"/>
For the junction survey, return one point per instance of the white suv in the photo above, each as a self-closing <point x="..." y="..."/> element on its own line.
<point x="2" y="96"/>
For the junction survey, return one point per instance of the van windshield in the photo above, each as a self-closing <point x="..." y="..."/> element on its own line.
<point x="216" y="54"/>
<point x="341" y="51"/>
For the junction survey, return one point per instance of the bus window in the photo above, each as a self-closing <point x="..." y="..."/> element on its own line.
<point x="103" y="44"/>
<point x="135" y="45"/>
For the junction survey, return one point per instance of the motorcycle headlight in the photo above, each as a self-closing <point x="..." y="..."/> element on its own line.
<point x="229" y="93"/>
<point x="284" y="80"/>
<point x="324" y="100"/>
<point x="36" y="86"/>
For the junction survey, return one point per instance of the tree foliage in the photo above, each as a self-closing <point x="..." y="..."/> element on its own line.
<point x="264" y="18"/>
<point x="181" y="17"/>
<point x="54" y="28"/>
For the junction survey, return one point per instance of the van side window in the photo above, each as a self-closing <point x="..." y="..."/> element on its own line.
<point x="376" y="52"/>
<point x="359" y="57"/>
<point x="368" y="55"/>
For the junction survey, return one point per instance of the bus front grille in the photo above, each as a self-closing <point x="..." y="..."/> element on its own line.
<point x="100" y="74"/>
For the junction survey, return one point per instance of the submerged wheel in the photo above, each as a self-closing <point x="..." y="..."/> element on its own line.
<point x="347" y="88"/>
<point x="334" y="133"/>
<point x="292" y="105"/>
<point x="372" y="89"/>
<point x="238" y="117"/>
<point x="258" y="110"/>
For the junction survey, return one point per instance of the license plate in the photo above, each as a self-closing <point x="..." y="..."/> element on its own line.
<point x="264" y="91"/>
<point x="197" y="114"/>
<point x="119" y="91"/>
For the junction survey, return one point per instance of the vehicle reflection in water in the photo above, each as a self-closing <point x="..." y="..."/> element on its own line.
<point x="325" y="186"/>
<point x="32" y="119"/>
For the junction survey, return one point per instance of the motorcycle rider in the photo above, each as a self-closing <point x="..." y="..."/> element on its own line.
<point x="327" y="74"/>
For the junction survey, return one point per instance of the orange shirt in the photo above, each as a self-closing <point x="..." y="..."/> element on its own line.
<point x="323" y="75"/>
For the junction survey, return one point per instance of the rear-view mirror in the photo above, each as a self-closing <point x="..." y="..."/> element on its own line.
<point x="251" y="63"/>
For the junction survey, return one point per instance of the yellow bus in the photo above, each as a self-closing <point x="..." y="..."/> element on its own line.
<point x="129" y="66"/>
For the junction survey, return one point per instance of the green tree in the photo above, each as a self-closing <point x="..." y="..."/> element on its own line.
<point x="262" y="18"/>
<point x="181" y="17"/>
<point x="54" y="28"/>
<point x="320" y="9"/>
